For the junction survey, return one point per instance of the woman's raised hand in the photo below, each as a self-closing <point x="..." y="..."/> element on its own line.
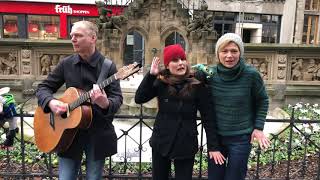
<point x="154" y="70"/>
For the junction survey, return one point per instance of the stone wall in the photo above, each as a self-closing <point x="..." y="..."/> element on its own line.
<point x="24" y="63"/>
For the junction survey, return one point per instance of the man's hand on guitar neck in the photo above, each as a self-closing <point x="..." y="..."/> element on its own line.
<point x="99" y="97"/>
<point x="58" y="107"/>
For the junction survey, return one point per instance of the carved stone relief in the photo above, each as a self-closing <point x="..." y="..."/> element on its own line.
<point x="296" y="73"/>
<point x="165" y="11"/>
<point x="305" y="69"/>
<point x="202" y="22"/>
<point x="26" y="61"/>
<point x="9" y="63"/>
<point x="262" y="65"/>
<point x="282" y="66"/>
<point x="106" y="22"/>
<point x="48" y="62"/>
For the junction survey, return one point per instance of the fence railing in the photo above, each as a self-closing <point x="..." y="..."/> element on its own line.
<point x="294" y="153"/>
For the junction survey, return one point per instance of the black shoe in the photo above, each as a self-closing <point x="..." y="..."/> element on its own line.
<point x="10" y="137"/>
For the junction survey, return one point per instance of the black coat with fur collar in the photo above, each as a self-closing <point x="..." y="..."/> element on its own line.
<point x="175" y="128"/>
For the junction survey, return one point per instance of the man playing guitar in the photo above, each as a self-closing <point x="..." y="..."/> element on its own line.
<point x="81" y="71"/>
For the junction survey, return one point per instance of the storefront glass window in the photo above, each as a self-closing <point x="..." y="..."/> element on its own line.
<point x="43" y="27"/>
<point x="10" y="26"/>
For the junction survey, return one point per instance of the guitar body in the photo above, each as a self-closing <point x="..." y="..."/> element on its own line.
<point x="59" y="137"/>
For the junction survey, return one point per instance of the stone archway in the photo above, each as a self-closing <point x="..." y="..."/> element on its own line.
<point x="133" y="48"/>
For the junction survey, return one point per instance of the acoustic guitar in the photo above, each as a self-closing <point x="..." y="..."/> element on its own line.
<point x="55" y="133"/>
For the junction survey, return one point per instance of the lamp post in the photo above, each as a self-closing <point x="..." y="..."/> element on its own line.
<point x="241" y="13"/>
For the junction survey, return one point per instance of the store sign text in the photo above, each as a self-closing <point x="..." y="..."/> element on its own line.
<point x="68" y="10"/>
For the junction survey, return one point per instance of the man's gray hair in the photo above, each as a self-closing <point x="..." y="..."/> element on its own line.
<point x="92" y="27"/>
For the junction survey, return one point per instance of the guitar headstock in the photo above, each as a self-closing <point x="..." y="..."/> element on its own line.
<point x="128" y="70"/>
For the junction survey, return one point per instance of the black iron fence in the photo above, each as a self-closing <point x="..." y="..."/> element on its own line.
<point x="294" y="153"/>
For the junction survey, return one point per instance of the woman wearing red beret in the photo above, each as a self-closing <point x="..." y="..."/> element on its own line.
<point x="179" y="96"/>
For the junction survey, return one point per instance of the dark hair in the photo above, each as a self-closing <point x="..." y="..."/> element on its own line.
<point x="187" y="80"/>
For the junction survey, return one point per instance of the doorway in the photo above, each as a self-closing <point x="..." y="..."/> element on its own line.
<point x="133" y="48"/>
<point x="246" y="35"/>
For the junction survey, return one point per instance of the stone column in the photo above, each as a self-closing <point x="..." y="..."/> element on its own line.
<point x="202" y="43"/>
<point x="279" y="85"/>
<point x="154" y="36"/>
<point x="287" y="22"/>
<point x="299" y="22"/>
<point x="110" y="45"/>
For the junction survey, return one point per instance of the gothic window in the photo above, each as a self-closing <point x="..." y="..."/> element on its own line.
<point x="175" y="38"/>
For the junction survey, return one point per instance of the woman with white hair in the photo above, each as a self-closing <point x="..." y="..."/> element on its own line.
<point x="240" y="104"/>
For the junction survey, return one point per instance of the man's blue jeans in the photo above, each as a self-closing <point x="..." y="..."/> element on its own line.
<point x="237" y="150"/>
<point x="69" y="168"/>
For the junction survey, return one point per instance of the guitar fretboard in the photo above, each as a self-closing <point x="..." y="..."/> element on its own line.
<point x="85" y="96"/>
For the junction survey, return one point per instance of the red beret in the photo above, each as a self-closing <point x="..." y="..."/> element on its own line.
<point x="173" y="52"/>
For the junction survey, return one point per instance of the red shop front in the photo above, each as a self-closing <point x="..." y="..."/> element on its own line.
<point x="45" y="18"/>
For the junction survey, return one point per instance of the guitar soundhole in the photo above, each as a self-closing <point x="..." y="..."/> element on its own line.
<point x="64" y="115"/>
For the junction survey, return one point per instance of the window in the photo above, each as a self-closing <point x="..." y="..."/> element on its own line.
<point x="43" y="27"/>
<point x="310" y="29"/>
<point x="270" y="28"/>
<point x="315" y="5"/>
<point x="175" y="38"/>
<point x="269" y="34"/>
<point x="312" y="5"/>
<point x="218" y="16"/>
<point x="265" y="18"/>
<point x="10" y="26"/>
<point x="229" y="16"/>
<point x="224" y="22"/>
<point x="275" y="19"/>
<point x="307" y="5"/>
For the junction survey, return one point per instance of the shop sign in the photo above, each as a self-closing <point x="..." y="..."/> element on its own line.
<point x="251" y="18"/>
<point x="67" y="9"/>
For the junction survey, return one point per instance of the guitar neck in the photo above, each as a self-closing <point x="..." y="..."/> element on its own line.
<point x="85" y="96"/>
